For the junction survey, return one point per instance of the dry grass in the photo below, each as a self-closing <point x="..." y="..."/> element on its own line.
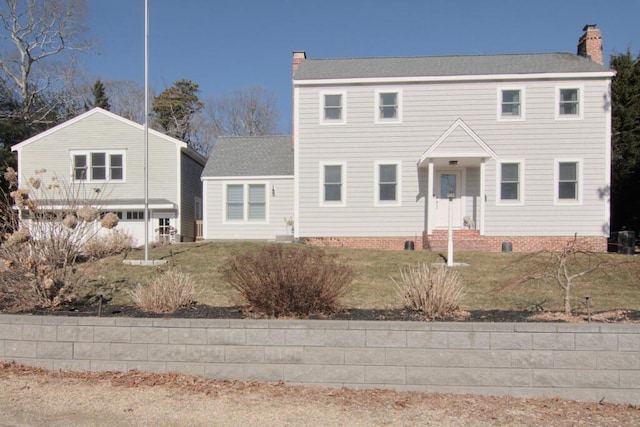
<point x="485" y="279"/>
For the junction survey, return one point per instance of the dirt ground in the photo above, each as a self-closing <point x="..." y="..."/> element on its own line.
<point x="36" y="397"/>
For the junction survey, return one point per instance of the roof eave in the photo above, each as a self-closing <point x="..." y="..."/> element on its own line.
<point x="458" y="78"/>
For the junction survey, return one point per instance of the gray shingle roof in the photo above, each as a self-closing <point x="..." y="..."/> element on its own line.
<point x="428" y="66"/>
<point x="250" y="156"/>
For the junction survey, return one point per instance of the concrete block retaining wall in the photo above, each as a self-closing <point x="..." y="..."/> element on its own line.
<point x="587" y="362"/>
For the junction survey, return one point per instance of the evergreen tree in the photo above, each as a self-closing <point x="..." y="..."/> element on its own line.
<point x="175" y="108"/>
<point x="100" y="98"/>
<point x="625" y="179"/>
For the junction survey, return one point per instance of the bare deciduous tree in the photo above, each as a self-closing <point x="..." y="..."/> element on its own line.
<point x="126" y="98"/>
<point x="37" y="41"/>
<point x="248" y="111"/>
<point x="567" y="267"/>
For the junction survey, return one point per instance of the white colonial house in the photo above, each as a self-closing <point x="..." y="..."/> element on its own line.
<point x="99" y="157"/>
<point x="516" y="147"/>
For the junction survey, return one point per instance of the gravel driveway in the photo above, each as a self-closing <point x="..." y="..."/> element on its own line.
<point x="35" y="397"/>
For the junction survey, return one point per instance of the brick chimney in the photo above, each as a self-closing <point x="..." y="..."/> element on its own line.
<point x="298" y="57"/>
<point x="590" y="44"/>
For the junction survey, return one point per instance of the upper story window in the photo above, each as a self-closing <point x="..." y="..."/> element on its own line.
<point x="333" y="108"/>
<point x="510" y="103"/>
<point x="569" y="103"/>
<point x="388" y="106"/>
<point x="387" y="178"/>
<point x="333" y="184"/>
<point x="98" y="166"/>
<point x="246" y="201"/>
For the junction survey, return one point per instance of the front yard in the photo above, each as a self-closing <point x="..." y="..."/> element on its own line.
<point x="489" y="278"/>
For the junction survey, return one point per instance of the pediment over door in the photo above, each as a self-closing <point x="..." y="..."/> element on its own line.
<point x="458" y="141"/>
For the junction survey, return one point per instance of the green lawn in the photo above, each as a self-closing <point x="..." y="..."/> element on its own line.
<point x="489" y="278"/>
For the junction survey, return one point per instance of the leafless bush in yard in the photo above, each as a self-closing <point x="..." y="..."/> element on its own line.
<point x="568" y="267"/>
<point x="41" y="253"/>
<point x="165" y="293"/>
<point x="280" y="280"/>
<point x="433" y="292"/>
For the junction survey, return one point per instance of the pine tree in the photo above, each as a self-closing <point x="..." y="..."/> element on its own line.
<point x="175" y="108"/>
<point x="625" y="102"/>
<point x="100" y="98"/>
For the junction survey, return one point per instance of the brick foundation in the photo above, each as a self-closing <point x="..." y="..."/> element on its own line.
<point x="396" y="243"/>
<point x="463" y="240"/>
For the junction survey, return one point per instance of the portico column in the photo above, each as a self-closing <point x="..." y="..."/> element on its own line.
<point x="430" y="199"/>
<point x="482" y="194"/>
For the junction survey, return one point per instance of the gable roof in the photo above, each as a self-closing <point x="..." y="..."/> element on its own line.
<point x="446" y="66"/>
<point x="250" y="156"/>
<point x="183" y="145"/>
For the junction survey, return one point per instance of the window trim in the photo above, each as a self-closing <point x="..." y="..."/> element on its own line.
<point x="376" y="183"/>
<point x="343" y="106"/>
<point x="245" y="202"/>
<point x="521" y="183"/>
<point x="376" y="112"/>
<point x="556" y="182"/>
<point x="499" y="115"/>
<point x="88" y="156"/>
<point x="343" y="178"/>
<point x="580" y="115"/>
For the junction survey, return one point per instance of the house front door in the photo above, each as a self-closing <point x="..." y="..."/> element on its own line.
<point x="448" y="183"/>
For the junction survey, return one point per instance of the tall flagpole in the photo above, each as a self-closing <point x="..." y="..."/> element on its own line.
<point x="146" y="130"/>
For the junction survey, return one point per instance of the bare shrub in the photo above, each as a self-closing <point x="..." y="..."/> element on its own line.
<point x="280" y="280"/>
<point x="107" y="244"/>
<point x="566" y="268"/>
<point x="41" y="252"/>
<point x="434" y="292"/>
<point x="165" y="293"/>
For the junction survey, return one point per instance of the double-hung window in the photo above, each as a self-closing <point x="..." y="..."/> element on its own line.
<point x="510" y="103"/>
<point x="246" y="202"/>
<point x="510" y="182"/>
<point x="568" y="181"/>
<point x="80" y="167"/>
<point x="98" y="166"/>
<point x="569" y="103"/>
<point x="333" y="108"/>
<point x="387" y="180"/>
<point x="257" y="201"/>
<point x="388" y="106"/>
<point x="235" y="202"/>
<point x="333" y="184"/>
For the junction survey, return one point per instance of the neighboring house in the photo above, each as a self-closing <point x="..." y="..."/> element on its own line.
<point x="520" y="143"/>
<point x="100" y="156"/>
<point x="248" y="188"/>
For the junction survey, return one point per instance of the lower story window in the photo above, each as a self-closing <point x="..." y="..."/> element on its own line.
<point x="333" y="183"/>
<point x="246" y="201"/>
<point x="568" y="180"/>
<point x="510" y="181"/>
<point x="135" y="215"/>
<point x="388" y="182"/>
